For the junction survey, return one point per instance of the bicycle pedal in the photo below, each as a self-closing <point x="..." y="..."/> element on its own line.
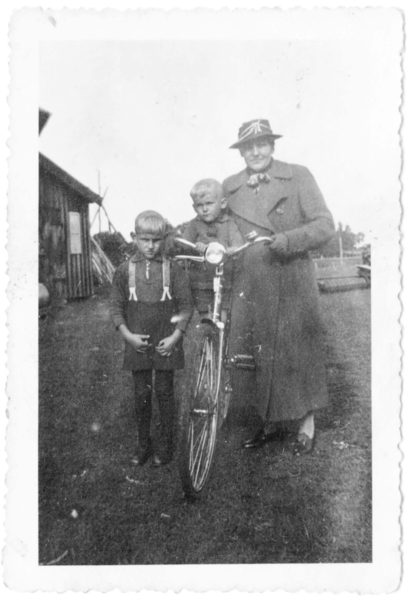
<point x="242" y="361"/>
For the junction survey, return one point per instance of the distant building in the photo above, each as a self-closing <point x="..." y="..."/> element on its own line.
<point x="65" y="261"/>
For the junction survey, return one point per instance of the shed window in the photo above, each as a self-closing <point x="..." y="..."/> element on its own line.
<point x="75" y="233"/>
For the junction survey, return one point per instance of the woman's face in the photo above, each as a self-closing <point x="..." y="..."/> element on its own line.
<point x="257" y="154"/>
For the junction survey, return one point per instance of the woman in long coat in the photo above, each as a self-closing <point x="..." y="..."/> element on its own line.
<point x="275" y="312"/>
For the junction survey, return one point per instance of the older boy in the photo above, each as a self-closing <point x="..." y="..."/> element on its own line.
<point x="148" y="295"/>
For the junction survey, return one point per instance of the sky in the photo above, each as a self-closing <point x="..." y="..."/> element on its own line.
<point x="143" y="120"/>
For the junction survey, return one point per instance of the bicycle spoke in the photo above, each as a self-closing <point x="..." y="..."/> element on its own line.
<point x="201" y="372"/>
<point x="191" y="444"/>
<point x="200" y="449"/>
<point x="208" y="369"/>
<point x="199" y="437"/>
<point x="195" y="462"/>
<point x="212" y="370"/>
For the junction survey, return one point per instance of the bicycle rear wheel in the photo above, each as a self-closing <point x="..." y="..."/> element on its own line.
<point x="199" y="419"/>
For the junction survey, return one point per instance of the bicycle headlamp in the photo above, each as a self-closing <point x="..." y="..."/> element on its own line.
<point x="215" y="253"/>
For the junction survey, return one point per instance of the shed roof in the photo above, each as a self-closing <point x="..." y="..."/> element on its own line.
<point x="43" y="117"/>
<point x="59" y="173"/>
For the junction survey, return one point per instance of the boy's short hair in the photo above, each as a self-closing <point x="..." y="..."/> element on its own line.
<point x="152" y="222"/>
<point x="206" y="187"/>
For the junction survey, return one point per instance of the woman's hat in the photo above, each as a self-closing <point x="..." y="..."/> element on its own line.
<point x="252" y="130"/>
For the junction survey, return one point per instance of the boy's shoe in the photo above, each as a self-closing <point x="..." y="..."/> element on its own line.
<point x="159" y="461"/>
<point x="163" y="455"/>
<point x="141" y="456"/>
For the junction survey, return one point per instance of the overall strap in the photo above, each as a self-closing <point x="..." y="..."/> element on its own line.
<point x="131" y="281"/>
<point x="166" y="279"/>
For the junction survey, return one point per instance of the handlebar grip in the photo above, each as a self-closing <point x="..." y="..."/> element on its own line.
<point x="189" y="257"/>
<point x="184" y="242"/>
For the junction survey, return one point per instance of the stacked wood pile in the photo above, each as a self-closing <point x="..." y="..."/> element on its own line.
<point x="103" y="269"/>
<point x="112" y="244"/>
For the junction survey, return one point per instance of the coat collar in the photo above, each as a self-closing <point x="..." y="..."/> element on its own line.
<point x="242" y="205"/>
<point x="277" y="170"/>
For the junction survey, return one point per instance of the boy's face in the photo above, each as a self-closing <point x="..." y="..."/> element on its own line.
<point x="209" y="207"/>
<point x="148" y="244"/>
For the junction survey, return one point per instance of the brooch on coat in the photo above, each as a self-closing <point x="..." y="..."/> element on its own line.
<point x="255" y="179"/>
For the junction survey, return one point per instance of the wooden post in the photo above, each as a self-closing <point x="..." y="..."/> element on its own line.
<point x="108" y="219"/>
<point x="341" y="248"/>
<point x="99" y="193"/>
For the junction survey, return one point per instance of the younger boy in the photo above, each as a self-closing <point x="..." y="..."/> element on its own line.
<point x="147" y="294"/>
<point x="211" y="224"/>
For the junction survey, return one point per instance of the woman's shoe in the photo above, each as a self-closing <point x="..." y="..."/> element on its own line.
<point x="304" y="444"/>
<point x="279" y="435"/>
<point x="256" y="441"/>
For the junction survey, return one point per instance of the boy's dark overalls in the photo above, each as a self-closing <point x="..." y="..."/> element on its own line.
<point x="146" y="295"/>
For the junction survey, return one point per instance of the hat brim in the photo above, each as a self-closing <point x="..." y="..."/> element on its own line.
<point x="271" y="137"/>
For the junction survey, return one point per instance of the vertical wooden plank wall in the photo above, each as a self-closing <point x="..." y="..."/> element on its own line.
<point x="52" y="234"/>
<point x="80" y="265"/>
<point x="64" y="274"/>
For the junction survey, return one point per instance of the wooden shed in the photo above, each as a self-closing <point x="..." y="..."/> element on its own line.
<point x="65" y="262"/>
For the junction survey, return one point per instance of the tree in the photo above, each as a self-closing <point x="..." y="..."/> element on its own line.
<point x="350" y="241"/>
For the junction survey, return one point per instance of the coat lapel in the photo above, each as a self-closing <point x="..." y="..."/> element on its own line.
<point x="280" y="173"/>
<point x="241" y="201"/>
<point x="242" y="198"/>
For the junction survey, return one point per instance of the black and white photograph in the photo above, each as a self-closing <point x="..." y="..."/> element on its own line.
<point x="204" y="240"/>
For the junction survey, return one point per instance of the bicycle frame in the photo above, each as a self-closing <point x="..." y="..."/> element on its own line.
<point x="206" y="407"/>
<point x="240" y="361"/>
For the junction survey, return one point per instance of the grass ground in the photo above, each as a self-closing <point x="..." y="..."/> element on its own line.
<point x="260" y="507"/>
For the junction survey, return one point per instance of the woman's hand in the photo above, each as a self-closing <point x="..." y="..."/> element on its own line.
<point x="279" y="244"/>
<point x="166" y="345"/>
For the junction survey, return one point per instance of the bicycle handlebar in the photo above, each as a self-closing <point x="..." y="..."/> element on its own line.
<point x="184" y="242"/>
<point x="252" y="237"/>
<point x="251" y="242"/>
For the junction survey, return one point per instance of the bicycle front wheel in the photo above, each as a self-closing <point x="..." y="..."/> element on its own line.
<point x="199" y="419"/>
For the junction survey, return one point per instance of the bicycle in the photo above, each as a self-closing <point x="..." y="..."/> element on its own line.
<point x="207" y="390"/>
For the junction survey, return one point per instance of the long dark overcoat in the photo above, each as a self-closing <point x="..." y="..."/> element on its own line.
<point x="275" y="312"/>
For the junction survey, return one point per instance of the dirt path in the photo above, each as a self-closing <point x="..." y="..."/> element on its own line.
<point x="263" y="506"/>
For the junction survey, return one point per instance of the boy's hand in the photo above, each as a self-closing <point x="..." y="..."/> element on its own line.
<point x="139" y="342"/>
<point x="200" y="247"/>
<point x="166" y="345"/>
